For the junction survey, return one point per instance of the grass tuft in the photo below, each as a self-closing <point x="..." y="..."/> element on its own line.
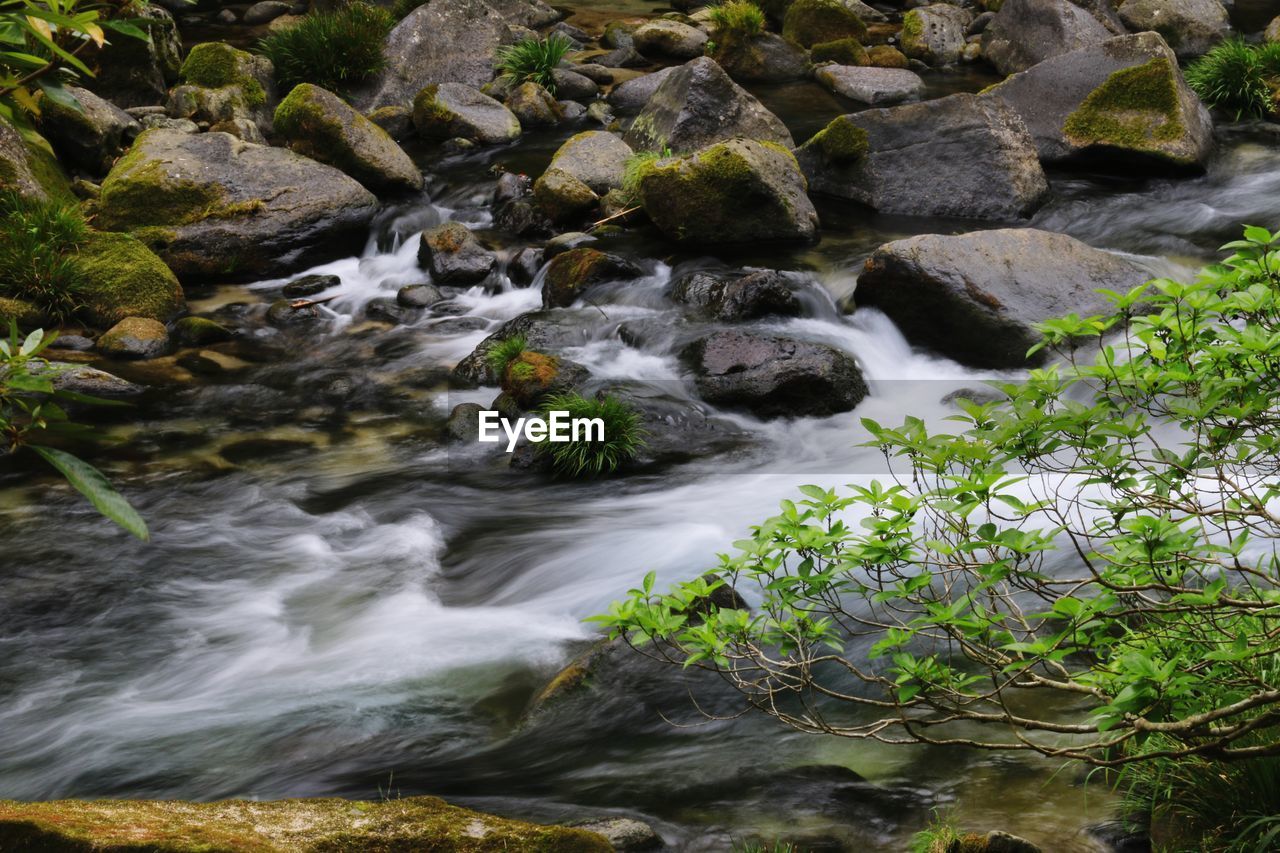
<point x="740" y="18"/>
<point x="38" y="261"/>
<point x="335" y="50"/>
<point x="533" y="60"/>
<point x="504" y="352"/>
<point x="1237" y="78"/>
<point x="624" y="437"/>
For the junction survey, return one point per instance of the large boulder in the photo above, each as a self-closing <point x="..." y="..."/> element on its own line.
<point x="976" y="297"/>
<point x="1025" y="32"/>
<point x="762" y="58"/>
<point x="875" y="86"/>
<point x="1121" y="104"/>
<point x="91" y="137"/>
<point x="595" y="157"/>
<point x="962" y="156"/>
<point x="740" y="191"/>
<point x="1190" y="27"/>
<point x="669" y="40"/>
<point x="810" y="22"/>
<point x="573" y="273"/>
<point x="123" y="278"/>
<point x="630" y="96"/>
<point x="772" y="377"/>
<point x="453" y="255"/>
<point x="449" y="110"/>
<point x="213" y="205"/>
<point x="699" y="104"/>
<point x="443" y="41"/>
<point x="231" y="89"/>
<point x="935" y="34"/>
<point x="319" y="124"/>
<point x="135" y="72"/>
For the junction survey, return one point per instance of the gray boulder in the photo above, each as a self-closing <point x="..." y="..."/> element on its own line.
<point x="212" y="205"/>
<point x="136" y="72"/>
<point x="962" y="156"/>
<point x="976" y="297"/>
<point x="876" y="86"/>
<point x="572" y="86"/>
<point x="548" y="332"/>
<point x="456" y="110"/>
<point x="266" y="11"/>
<point x="1122" y="104"/>
<point x="763" y="58"/>
<point x="573" y="273"/>
<point x="320" y="125"/>
<point x="595" y="157"/>
<point x="1025" y="32"/>
<point x="772" y="377"/>
<point x="740" y="191"/>
<point x="443" y="41"/>
<point x="453" y="255"/>
<point x="91" y="137"/>
<point x="669" y="40"/>
<point x="17" y="171"/>
<point x="737" y="298"/>
<point x="630" y="96"/>
<point x="698" y="105"/>
<point x="533" y="106"/>
<point x="1190" y="27"/>
<point x="935" y="34"/>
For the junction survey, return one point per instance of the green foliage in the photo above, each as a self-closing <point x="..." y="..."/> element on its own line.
<point x="1238" y="78"/>
<point x="740" y="18"/>
<point x="533" y="60"/>
<point x="504" y="352"/>
<point x="334" y="50"/>
<point x="1105" y="534"/>
<point x="937" y="837"/>
<point x="40" y="46"/>
<point x="30" y="414"/>
<point x="38" y="262"/>
<point x="624" y="437"/>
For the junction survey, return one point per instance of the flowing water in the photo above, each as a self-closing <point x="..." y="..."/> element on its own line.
<point x="336" y="602"/>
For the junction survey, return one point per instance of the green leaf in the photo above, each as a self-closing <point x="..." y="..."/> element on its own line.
<point x="91" y="483"/>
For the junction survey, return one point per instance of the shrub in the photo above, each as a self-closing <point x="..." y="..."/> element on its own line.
<point x="1089" y="561"/>
<point x="335" y="50"/>
<point x="533" y="60"/>
<point x="1237" y="78"/>
<point x="504" y="352"/>
<point x="740" y="18"/>
<point x="624" y="437"/>
<point x="38" y="263"/>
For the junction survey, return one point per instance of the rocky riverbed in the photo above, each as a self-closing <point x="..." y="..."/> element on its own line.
<point x="752" y="240"/>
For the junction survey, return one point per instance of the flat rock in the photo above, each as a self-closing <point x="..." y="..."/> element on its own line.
<point x="877" y="86"/>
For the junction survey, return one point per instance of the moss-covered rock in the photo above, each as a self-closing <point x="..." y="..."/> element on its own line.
<point x="935" y="34"/>
<point x="886" y="56"/>
<point x="1191" y="27"/>
<point x="214" y="65"/>
<point x="845" y="51"/>
<point x="841" y="142"/>
<point x="135" y="337"/>
<point x="225" y="86"/>
<point x="455" y="110"/>
<point x="669" y="39"/>
<point x="534" y="106"/>
<point x="761" y="58"/>
<point x="731" y="192"/>
<point x="810" y="22"/>
<point x="138" y="72"/>
<point x="319" y="124"/>
<point x="199" y="332"/>
<point x="26" y="314"/>
<point x="285" y="826"/>
<point x="563" y="198"/>
<point x="29" y="171"/>
<point x="123" y="278"/>
<point x="573" y="273"/>
<point x="531" y="377"/>
<point x="453" y="255"/>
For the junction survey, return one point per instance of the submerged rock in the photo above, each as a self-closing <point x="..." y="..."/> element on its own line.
<point x="976" y="297"/>
<point x="876" y="86"/>
<point x="573" y="273"/>
<point x="1121" y="104"/>
<point x="212" y="205"/>
<point x="772" y="376"/>
<point x="453" y="255"/>
<point x="284" y="826"/>
<point x="455" y="110"/>
<point x="1025" y="32"/>
<point x="1191" y="27"/>
<point x="961" y="156"/>
<point x="320" y="125"/>
<point x="199" y="332"/>
<point x="731" y="192"/>
<point x="699" y="104"/>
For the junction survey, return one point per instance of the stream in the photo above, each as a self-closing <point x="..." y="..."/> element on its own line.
<point x="335" y="602"/>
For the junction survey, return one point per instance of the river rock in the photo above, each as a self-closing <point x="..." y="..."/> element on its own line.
<point x="762" y="58"/>
<point x="573" y="273"/>
<point x="740" y="191"/>
<point x="772" y="376"/>
<point x="225" y="86"/>
<point x="543" y="331"/>
<point x="138" y="72"/>
<point x="453" y="255"/>
<point x="265" y="11"/>
<point x="877" y="86"/>
<point x="532" y="376"/>
<point x="664" y="39"/>
<point x="1191" y="27"/>
<point x="624" y="833"/>
<point x="212" y="205"/>
<point x="533" y="106"/>
<point x="200" y="332"/>
<point x="419" y="295"/>
<point x="91" y="137"/>
<point x="562" y="198"/>
<point x="810" y="22"/>
<point x="443" y="41"/>
<point x="320" y="125"/>
<point x="83" y="379"/>
<point x="123" y="278"/>
<point x="935" y="34"/>
<point x="976" y="297"/>
<point x="572" y="86"/>
<point x="1120" y="104"/>
<point x="135" y="337"/>
<point x="310" y="285"/>
<point x="396" y="121"/>
<point x="595" y="157"/>
<point x="961" y="156"/>
<point x="630" y="96"/>
<point x="698" y="105"/>
<point x="737" y="298"/>
<point x="1025" y="32"/>
<point x="455" y="110"/>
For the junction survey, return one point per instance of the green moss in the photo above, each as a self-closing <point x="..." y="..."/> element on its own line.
<point x="1136" y="108"/>
<point x="25" y="314"/>
<point x="123" y="278"/>
<point x="215" y="65"/>
<point x="841" y="142"/>
<point x="48" y="173"/>
<point x="319" y="132"/>
<point x="199" y="331"/>
<point x="885" y="56"/>
<point x="431" y="117"/>
<point x="912" y="28"/>
<point x="845" y="51"/>
<point x="297" y="826"/>
<point x="810" y="22"/>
